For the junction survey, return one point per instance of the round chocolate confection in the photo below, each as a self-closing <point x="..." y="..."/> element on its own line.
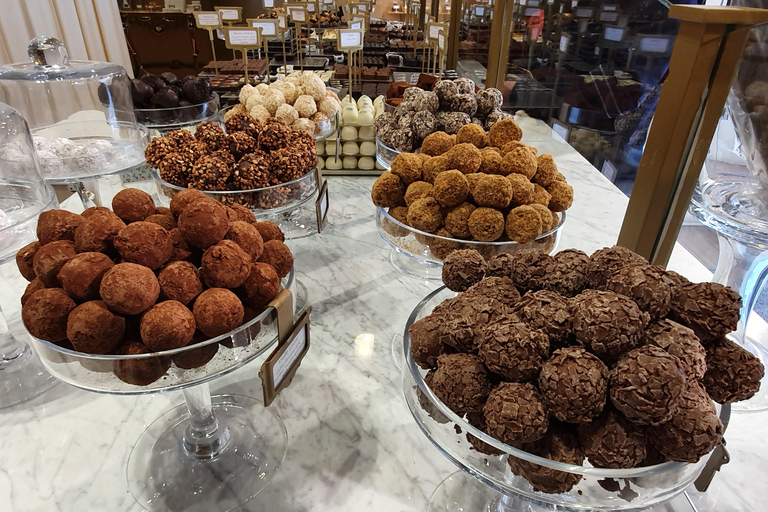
<point x="165" y="98"/>
<point x="243" y="213"/>
<point x="167" y="325"/>
<point x="269" y="231"/>
<point x="547" y="311"/>
<point x="196" y="357"/>
<point x="488" y="99"/>
<point x="574" y="384"/>
<point x="81" y="276"/>
<point x="33" y="286"/>
<point x="501" y="289"/>
<point x="439" y="247"/>
<point x="418" y="190"/>
<point x="144" y="243"/>
<point x="25" y="258"/>
<point x="462" y="269"/>
<point x="503" y="131"/>
<point x="141" y="93"/>
<point x="218" y="311"/>
<point x="515" y="413"/>
<point x="94" y="329"/>
<point x="679" y="341"/>
<point x="184" y="198"/>
<point x="45" y="314"/>
<point x="203" y="223"/>
<point x="98" y="211"/>
<point x="141" y="371"/>
<point x="261" y="285"/>
<point x="693" y="431"/>
<point x="132" y="204"/>
<point x="610" y="441"/>
<point x="710" y="309"/>
<point x="129" y="289"/>
<point x="181" y="249"/>
<point x="559" y="445"/>
<point x="425" y="215"/>
<point x="279" y="256"/>
<point x="429" y="407"/>
<point x="407" y="167"/>
<point x="561" y="196"/>
<point x="477" y="420"/>
<point x="512" y="349"/>
<point x="568" y="275"/>
<point x="165" y="221"/>
<point x="49" y="260"/>
<point x="605" y="262"/>
<point x="733" y="374"/>
<point x="465" y="85"/>
<point x="426" y="346"/>
<point x="530" y="268"/>
<point x="501" y="265"/>
<point x="464" y="316"/>
<point x="436" y="144"/>
<point x="197" y="90"/>
<point x="97" y="233"/>
<point x="53" y="225"/>
<point x="242" y="122"/>
<point x="225" y="265"/>
<point x="606" y="323"/>
<point x="450" y="188"/>
<point x="524" y="224"/>
<point x="646" y="385"/>
<point x="247" y="237"/>
<point x="471" y="134"/>
<point x="465" y="158"/>
<point x="647" y="285"/>
<point x="180" y="281"/>
<point x="461" y="382"/>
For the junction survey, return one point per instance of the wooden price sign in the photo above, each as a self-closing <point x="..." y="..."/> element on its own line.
<point x="322" y="203"/>
<point x="269" y="4"/>
<point x="210" y="21"/>
<point x="243" y="39"/>
<point x="298" y="16"/>
<point x="268" y="28"/>
<point x="282" y="27"/>
<point x="312" y="7"/>
<point x="230" y="15"/>
<point x="349" y="39"/>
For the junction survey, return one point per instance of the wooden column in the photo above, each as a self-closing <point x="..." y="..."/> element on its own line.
<point x="454" y="34"/>
<point x="501" y="33"/>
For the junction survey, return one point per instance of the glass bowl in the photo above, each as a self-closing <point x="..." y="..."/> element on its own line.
<point x="593" y="489"/>
<point x="163" y="120"/>
<point x="385" y="155"/>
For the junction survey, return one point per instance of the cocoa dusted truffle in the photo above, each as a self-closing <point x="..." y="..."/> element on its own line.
<point x="568" y="273"/>
<point x="432" y="167"/>
<point x="407" y="166"/>
<point x="559" y="445"/>
<point x="548" y="311"/>
<point x="180" y="281"/>
<point x="435" y="144"/>
<point x="247" y="237"/>
<point x="502" y="289"/>
<point x="144" y="243"/>
<point x="269" y="231"/>
<point x="218" y="311"/>
<point x="426" y="346"/>
<point x="512" y="349"/>
<point x="261" y="285"/>
<point x="522" y="190"/>
<point x="97" y="234"/>
<point x="574" y="384"/>
<point x="461" y="382"/>
<point x="524" y="224"/>
<point x="500" y="265"/>
<point x="184" y="198"/>
<point x="462" y="269"/>
<point x="486" y="224"/>
<point x="203" y="223"/>
<point x="610" y="441"/>
<point x="49" y="260"/>
<point x="425" y="215"/>
<point x="94" y="329"/>
<point x="605" y="262"/>
<point x="441" y="247"/>
<point x="81" y="276"/>
<point x="132" y="204"/>
<point x="418" y="190"/>
<point x="279" y="256"/>
<point x="693" y="431"/>
<point x="243" y="213"/>
<point x="647" y="285"/>
<point x="45" y="314"/>
<point x="129" y="289"/>
<point x="465" y="158"/>
<point x="471" y="134"/>
<point x="166" y="221"/>
<point x="196" y="357"/>
<point x="606" y="323"/>
<point x="503" y="131"/>
<point x="733" y="374"/>
<point x="515" y="413"/>
<point x="519" y="161"/>
<point x="388" y="190"/>
<point x="33" y="286"/>
<point x="679" y="341"/>
<point x="457" y="220"/>
<point x="561" y="196"/>
<point x="225" y="265"/>
<point x="181" y="249"/>
<point x="25" y="258"/>
<point x="167" y="325"/>
<point x="647" y="384"/>
<point x="710" y="309"/>
<point x="451" y="188"/>
<point x="530" y="268"/>
<point x="53" y="225"/>
<point x="492" y="191"/>
<point x="140" y="371"/>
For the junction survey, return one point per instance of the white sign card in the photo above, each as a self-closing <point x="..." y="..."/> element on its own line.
<point x="350" y="39"/>
<point x="609" y="171"/>
<point x="281" y="19"/>
<point x="434" y="31"/>
<point x="613" y="34"/>
<point x="654" y="44"/>
<point x="298" y="15"/>
<point x="584" y="12"/>
<point x="441" y="41"/>
<point x="268" y="4"/>
<point x="610" y="7"/>
<point x="609" y="17"/>
<point x="243" y="37"/>
<point x="479" y="10"/>
<point x="310" y="7"/>
<point x="327" y="1"/>
<point x="534" y="3"/>
<point x="356" y="25"/>
<point x="583" y="24"/>
<point x="574" y="4"/>
<point x="532" y="11"/>
<point x="229" y="14"/>
<point x="564" y="40"/>
<point x="560" y="130"/>
<point x="207" y="19"/>
<point x="267" y="28"/>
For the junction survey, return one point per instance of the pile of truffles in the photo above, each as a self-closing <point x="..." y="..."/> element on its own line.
<point x="449" y="106"/>
<point x="303" y="102"/>
<point x="475" y="186"/>
<point x="167" y="91"/>
<point x="573" y="357"/>
<point x="139" y="279"/>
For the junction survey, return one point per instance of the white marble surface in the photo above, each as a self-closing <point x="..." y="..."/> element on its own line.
<point x="352" y="442"/>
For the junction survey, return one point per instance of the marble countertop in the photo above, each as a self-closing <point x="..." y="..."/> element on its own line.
<point x="353" y="444"/>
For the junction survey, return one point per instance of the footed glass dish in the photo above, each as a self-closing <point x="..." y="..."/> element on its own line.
<point x="162" y="120"/>
<point x="385" y="155"/>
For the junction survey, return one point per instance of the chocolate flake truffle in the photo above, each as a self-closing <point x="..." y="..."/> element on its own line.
<point x="530" y="267"/>
<point x="261" y="285"/>
<point x="218" y="311"/>
<point x="693" y="431"/>
<point x="167" y="325"/>
<point x="388" y="190"/>
<point x="45" y="314"/>
<point x="462" y="269"/>
<point x="610" y="441"/>
<point x="180" y="281"/>
<point x="203" y="223"/>
<point x="710" y="309"/>
<point x="426" y="346"/>
<point x="548" y="311"/>
<point x="184" y="198"/>
<point x="25" y="258"/>
<point x="81" y="276"/>
<point x="647" y="285"/>
<point x="606" y="323"/>
<point x="141" y="371"/>
<point x="500" y="265"/>
<point x="486" y="224"/>
<point x="132" y="204"/>
<point x="733" y="374"/>
<point x="646" y="385"/>
<point x="574" y="384"/>
<point x="461" y="382"/>
<point x="49" y="260"/>
<point x="477" y="420"/>
<point x="93" y="329"/>
<point x="450" y="188"/>
<point x="512" y="349"/>
<point x="53" y="225"/>
<point x="425" y="215"/>
<point x="144" y="243"/>
<point x="225" y="265"/>
<point x="605" y="262"/>
<point x="679" y="341"/>
<point x="279" y="256"/>
<point x="129" y="289"/>
<point x="97" y="233"/>
<point x="515" y="413"/>
<point x="269" y="231"/>
<point x="568" y="274"/>
<point x="502" y="289"/>
<point x="559" y="445"/>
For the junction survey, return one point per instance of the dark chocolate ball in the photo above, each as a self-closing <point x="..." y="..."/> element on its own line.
<point x="165" y="98"/>
<point x="93" y="329"/>
<point x="45" y="314"/>
<point x="198" y="90"/>
<point x="180" y="281"/>
<point x="167" y="325"/>
<point x="154" y="81"/>
<point x="225" y="265"/>
<point x="560" y="445"/>
<point x="49" y="260"/>
<point x="277" y="254"/>
<point x="218" y="311"/>
<point x="426" y="346"/>
<point x="733" y="374"/>
<point x="462" y="269"/>
<point x="144" y="243"/>
<point x="140" y="371"/>
<point x="574" y="384"/>
<point x="129" y="289"/>
<point x="170" y="78"/>
<point x="203" y="223"/>
<point x="132" y="204"/>
<point x="25" y="258"/>
<point x="97" y="233"/>
<point x="140" y="92"/>
<point x="81" y="276"/>
<point x="515" y="413"/>
<point x="261" y="285"/>
<point x="195" y="357"/>
<point x="611" y="441"/>
<point x="53" y="225"/>
<point x="461" y="382"/>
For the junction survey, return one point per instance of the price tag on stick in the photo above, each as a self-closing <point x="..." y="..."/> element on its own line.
<point x="207" y="19"/>
<point x="321" y="206"/>
<point x="230" y="14"/>
<point x="280" y="367"/>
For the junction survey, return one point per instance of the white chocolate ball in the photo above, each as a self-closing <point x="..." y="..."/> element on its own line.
<point x="366" y="133"/>
<point x="348" y="133"/>
<point x="366" y="163"/>
<point x="350" y="162"/>
<point x="350" y="148"/>
<point x="330" y="148"/>
<point x="368" y="148"/>
<point x="365" y="119"/>
<point x="333" y="163"/>
<point x="349" y="115"/>
<point x="320" y="148"/>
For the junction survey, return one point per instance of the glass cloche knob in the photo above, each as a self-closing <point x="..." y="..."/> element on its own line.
<point x="48" y="51"/>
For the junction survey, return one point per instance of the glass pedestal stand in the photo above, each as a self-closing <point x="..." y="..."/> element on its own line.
<point x="419" y="268"/>
<point x="22" y="376"/>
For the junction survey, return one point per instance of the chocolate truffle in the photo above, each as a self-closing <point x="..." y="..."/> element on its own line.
<point x="539" y="195"/>
<point x="492" y="191"/>
<point x="693" y="431"/>
<point x="81" y="276"/>
<point x="141" y="93"/>
<point x="491" y="161"/>
<point x="184" y="198"/>
<point x="426" y="403"/>
<point x="464" y="316"/>
<point x="132" y="204"/>
<point x="462" y="269"/>
<point x="512" y="349"/>
<point x="166" y="221"/>
<point x="710" y="309"/>
<point x="561" y="196"/>
<point x="477" y="420"/>
<point x="442" y="244"/>
<point x="500" y="265"/>
<point x="144" y="243"/>
<point x="129" y="289"/>
<point x="733" y="374"/>
<point x="488" y="99"/>
<point x="519" y="161"/>
<point x="545" y="170"/>
<point x="45" y="314"/>
<point x="679" y="341"/>
<point x="610" y="441"/>
<point x="432" y="167"/>
<point x="269" y="231"/>
<point x="140" y="371"/>
<point x="606" y="323"/>
<point x="166" y="98"/>
<point x="548" y="311"/>
<point x="179" y="281"/>
<point x="646" y="385"/>
<point x="568" y="275"/>
<point x="33" y="286"/>
<point x="559" y="445"/>
<point x="167" y="325"/>
<point x="523" y="224"/>
<point x="49" y="260"/>
<point x="261" y="285"/>
<point x="203" y="223"/>
<point x="93" y="329"/>
<point x="502" y="289"/>
<point x="247" y="237"/>
<point x="503" y="131"/>
<point x="461" y="382"/>
<point x="418" y="190"/>
<point x="388" y="190"/>
<point x="574" y="384"/>
<point x="471" y="134"/>
<point x="486" y="224"/>
<point x="181" y="249"/>
<point x="457" y="220"/>
<point x="435" y="144"/>
<point x="425" y="215"/>
<point x="218" y="311"/>
<point x="97" y="233"/>
<point x="522" y="190"/>
<point x="605" y="262"/>
<point x="647" y="285"/>
<point x="530" y="268"/>
<point x="549" y="219"/>
<point x="465" y="158"/>
<point x="450" y="188"/>
<point x="426" y="346"/>
<point x="279" y="256"/>
<point x="53" y="225"/>
<point x="225" y="265"/>
<point x="244" y="214"/>
<point x="196" y="357"/>
<point x="25" y="258"/>
<point x="407" y="167"/>
<point x="515" y="413"/>
<point x="197" y="90"/>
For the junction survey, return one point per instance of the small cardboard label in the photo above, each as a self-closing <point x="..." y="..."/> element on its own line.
<point x="321" y="206"/>
<point x="268" y="4"/>
<point x="564" y="40"/>
<point x="280" y="367"/>
<point x="243" y="37"/>
<point x="229" y="14"/>
<point x="207" y="19"/>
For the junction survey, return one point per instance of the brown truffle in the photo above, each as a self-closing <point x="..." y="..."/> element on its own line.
<point x="388" y="190"/>
<point x="465" y="158"/>
<point x="461" y="382"/>
<point x="132" y="204"/>
<point x="548" y="311"/>
<point x="710" y="309"/>
<point x="540" y="195"/>
<point x="568" y="275"/>
<point x="512" y="349"/>
<point x="515" y="413"/>
<point x="518" y="161"/>
<point x="418" y="190"/>
<point x="247" y="237"/>
<point x="181" y="249"/>
<point x="167" y="325"/>
<point x="269" y="231"/>
<point x="502" y="289"/>
<point x="129" y="289"/>
<point x="733" y="374"/>
<point x="605" y="262"/>
<point x="98" y="211"/>
<point x="559" y="445"/>
<point x="477" y="420"/>
<point x="25" y="258"/>
<point x="462" y="269"/>
<point x="218" y="311"/>
<point x="549" y="219"/>
<point x="471" y="134"/>
<point x="435" y="144"/>
<point x="530" y="268"/>
<point x="451" y="188"/>
<point x="33" y="286"/>
<point x="493" y="191"/>
<point x="503" y="131"/>
<point x="400" y="214"/>
<point x="93" y="329"/>
<point x="486" y="224"/>
<point x="49" y="260"/>
<point x="432" y="167"/>
<point x="180" y="281"/>
<point x="277" y="254"/>
<point x="140" y="371"/>
<point x="457" y="220"/>
<point x="97" y="233"/>
<point x="425" y="215"/>
<point x="162" y="210"/>
<point x="203" y="223"/>
<point x="545" y="170"/>
<point x="225" y="265"/>
<point x="464" y="316"/>
<point x="144" y="243"/>
<point x="610" y="441"/>
<point x="426" y="346"/>
<point x="81" y="276"/>
<point x="244" y="214"/>
<point x="198" y="356"/>
<point x="646" y="385"/>
<point x="679" y="341"/>
<point x="574" y="384"/>
<point x="647" y="285"/>
<point x="407" y="167"/>
<point x="166" y="221"/>
<point x="491" y="161"/>
<point x="561" y="196"/>
<point x="184" y="198"/>
<point x="53" y="225"/>
<point x="45" y="314"/>
<point x="522" y="189"/>
<point x="442" y="244"/>
<point x="523" y="224"/>
<point x="500" y="265"/>
<point x="261" y="285"/>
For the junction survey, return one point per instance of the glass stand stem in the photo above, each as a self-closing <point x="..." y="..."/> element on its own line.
<point x="10" y="348"/>
<point x="204" y="438"/>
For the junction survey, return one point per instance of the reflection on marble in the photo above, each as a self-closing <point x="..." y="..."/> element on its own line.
<point x="353" y="444"/>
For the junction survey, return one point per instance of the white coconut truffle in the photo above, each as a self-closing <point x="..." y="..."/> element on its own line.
<point x="305" y="106"/>
<point x="262" y="88"/>
<point x="287" y="114"/>
<point x="378" y="101"/>
<point x="246" y="92"/>
<point x="253" y="100"/>
<point x="365" y="163"/>
<point x="350" y="148"/>
<point x="350" y="162"/>
<point x="289" y="90"/>
<point x="329" y="106"/>
<point x="368" y="148"/>
<point x="365" y="119"/>
<point x="303" y="124"/>
<point x="330" y="94"/>
<point x="348" y="133"/>
<point x="260" y="113"/>
<point x="273" y="99"/>
<point x="333" y="162"/>
<point x="319" y="117"/>
<point x="293" y="79"/>
<point x="312" y="85"/>
<point x="366" y="132"/>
